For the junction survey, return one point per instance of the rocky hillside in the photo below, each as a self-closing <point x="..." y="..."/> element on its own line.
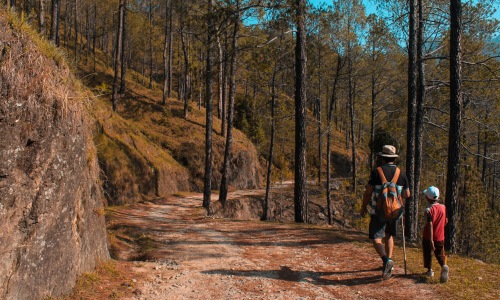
<point x="50" y="196"/>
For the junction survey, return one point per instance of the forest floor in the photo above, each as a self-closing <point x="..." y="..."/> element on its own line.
<point x="168" y="249"/>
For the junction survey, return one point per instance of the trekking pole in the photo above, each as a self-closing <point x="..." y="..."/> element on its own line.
<point x="404" y="246"/>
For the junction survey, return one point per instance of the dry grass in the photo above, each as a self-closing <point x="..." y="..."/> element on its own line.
<point x="469" y="278"/>
<point x="108" y="281"/>
<point x="40" y="84"/>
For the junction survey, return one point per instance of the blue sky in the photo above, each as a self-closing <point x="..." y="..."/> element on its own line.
<point x="371" y="7"/>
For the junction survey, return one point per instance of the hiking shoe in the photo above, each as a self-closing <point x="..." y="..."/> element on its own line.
<point x="429" y="273"/>
<point x="444" y="273"/>
<point x="388" y="268"/>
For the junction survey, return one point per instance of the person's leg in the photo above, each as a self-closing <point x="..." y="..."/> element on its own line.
<point x="390" y="232"/>
<point x="441" y="257"/>
<point x="389" y="245"/>
<point x="379" y="247"/>
<point x="376" y="234"/>
<point x="439" y="252"/>
<point x="427" y="251"/>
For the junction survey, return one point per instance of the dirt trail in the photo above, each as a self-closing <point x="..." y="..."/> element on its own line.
<point x="190" y="256"/>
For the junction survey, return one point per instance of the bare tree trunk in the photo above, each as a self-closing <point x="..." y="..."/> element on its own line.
<point x="220" y="78"/>
<point x="150" y="17"/>
<point x="453" y="173"/>
<point x="265" y="216"/>
<point x="118" y="53"/>
<point x="329" y="139"/>
<point x="186" y="70"/>
<point x="318" y="119"/>
<point x="372" y="122"/>
<point x="166" y="52"/>
<point x="230" y="113"/>
<point x="410" y="214"/>
<point x="207" y="184"/>
<point x="54" y="30"/>
<point x="493" y="188"/>
<point x="352" y="87"/>
<point x="224" y="90"/>
<point x="485" y="152"/>
<point x="41" y="18"/>
<point x="372" y="116"/>
<point x="123" y="65"/>
<point x="76" y="34"/>
<point x="419" y="121"/>
<point x="300" y="191"/>
<point x="94" y="36"/>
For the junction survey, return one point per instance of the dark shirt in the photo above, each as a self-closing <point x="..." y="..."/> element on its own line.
<point x="389" y="170"/>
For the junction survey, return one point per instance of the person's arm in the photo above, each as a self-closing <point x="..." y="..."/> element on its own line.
<point x="431" y="229"/>
<point x="366" y="198"/>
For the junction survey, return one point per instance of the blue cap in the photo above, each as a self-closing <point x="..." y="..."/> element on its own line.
<point x="432" y="192"/>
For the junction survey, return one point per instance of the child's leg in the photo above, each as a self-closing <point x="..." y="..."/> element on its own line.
<point x="439" y="252"/>
<point x="427" y="251"/>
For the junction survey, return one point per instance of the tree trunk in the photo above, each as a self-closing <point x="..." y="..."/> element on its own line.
<point x="352" y="116"/>
<point x="224" y="90"/>
<point x="372" y="121"/>
<point x="219" y="81"/>
<point x="150" y="17"/>
<point x="207" y="186"/>
<point x="300" y="190"/>
<point x="410" y="214"/>
<point x="76" y="34"/>
<point x="186" y="70"/>
<point x="230" y="112"/>
<point x="118" y="53"/>
<point x="265" y="216"/>
<point x="419" y="121"/>
<point x="54" y="29"/>
<point x="318" y="119"/>
<point x="328" y="139"/>
<point x="320" y="142"/>
<point x="166" y="52"/>
<point x="123" y="65"/>
<point x="453" y="172"/>
<point x="41" y="18"/>
<point x="94" y="36"/>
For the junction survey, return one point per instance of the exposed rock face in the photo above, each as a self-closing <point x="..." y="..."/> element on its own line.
<point x="51" y="217"/>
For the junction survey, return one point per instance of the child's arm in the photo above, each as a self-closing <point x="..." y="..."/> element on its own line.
<point x="431" y="231"/>
<point x="431" y="235"/>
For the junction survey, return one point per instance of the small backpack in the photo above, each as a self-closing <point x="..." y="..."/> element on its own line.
<point x="389" y="203"/>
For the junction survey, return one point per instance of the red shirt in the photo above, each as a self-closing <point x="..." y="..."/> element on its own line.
<point x="436" y="213"/>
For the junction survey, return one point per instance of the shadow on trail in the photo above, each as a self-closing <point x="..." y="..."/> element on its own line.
<point x="317" y="278"/>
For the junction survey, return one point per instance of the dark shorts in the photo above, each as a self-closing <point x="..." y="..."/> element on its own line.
<point x="378" y="230"/>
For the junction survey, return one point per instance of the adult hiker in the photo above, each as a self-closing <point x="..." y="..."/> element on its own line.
<point x="381" y="229"/>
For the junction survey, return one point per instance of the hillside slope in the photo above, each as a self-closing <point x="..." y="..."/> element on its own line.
<point x="51" y="220"/>
<point x="147" y="150"/>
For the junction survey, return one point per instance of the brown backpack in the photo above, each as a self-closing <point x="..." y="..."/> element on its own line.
<point x="389" y="202"/>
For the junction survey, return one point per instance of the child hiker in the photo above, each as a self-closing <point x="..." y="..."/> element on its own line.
<point x="433" y="237"/>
